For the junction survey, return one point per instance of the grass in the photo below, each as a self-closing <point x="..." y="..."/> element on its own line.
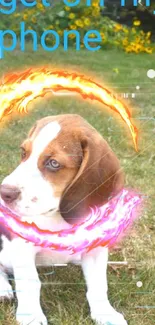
<point x="65" y="304"/>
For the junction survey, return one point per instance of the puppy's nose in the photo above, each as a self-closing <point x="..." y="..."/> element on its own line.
<point x="9" y="193"/>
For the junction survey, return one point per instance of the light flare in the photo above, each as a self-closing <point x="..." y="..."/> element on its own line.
<point x="18" y="90"/>
<point x="103" y="227"/>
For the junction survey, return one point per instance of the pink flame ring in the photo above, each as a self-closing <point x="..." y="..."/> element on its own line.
<point x="101" y="228"/>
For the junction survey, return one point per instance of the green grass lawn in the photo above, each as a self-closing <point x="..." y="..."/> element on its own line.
<point x="63" y="292"/>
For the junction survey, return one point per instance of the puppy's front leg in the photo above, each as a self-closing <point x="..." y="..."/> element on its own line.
<point x="94" y="265"/>
<point x="27" y="283"/>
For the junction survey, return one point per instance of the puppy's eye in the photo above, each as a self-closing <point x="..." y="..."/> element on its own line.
<point x="52" y="164"/>
<point x="23" y="153"/>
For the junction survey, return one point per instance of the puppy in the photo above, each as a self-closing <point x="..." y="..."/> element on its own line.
<point x="66" y="168"/>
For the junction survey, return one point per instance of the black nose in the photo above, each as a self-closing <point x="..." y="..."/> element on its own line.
<point x="9" y="193"/>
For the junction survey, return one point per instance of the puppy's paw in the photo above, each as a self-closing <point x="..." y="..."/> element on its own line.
<point x="31" y="318"/>
<point x="6" y="292"/>
<point x="108" y="317"/>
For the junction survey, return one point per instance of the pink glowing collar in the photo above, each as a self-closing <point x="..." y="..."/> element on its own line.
<point x="103" y="227"/>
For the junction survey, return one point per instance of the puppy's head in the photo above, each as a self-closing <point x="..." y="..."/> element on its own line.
<point x="66" y="165"/>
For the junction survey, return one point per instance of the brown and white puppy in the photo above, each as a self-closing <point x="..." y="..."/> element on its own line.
<point x="66" y="168"/>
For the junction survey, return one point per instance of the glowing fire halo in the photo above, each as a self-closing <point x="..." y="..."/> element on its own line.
<point x="102" y="227"/>
<point x="18" y="90"/>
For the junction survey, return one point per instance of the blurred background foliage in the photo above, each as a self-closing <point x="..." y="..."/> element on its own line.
<point x="129" y="13"/>
<point x="129" y="28"/>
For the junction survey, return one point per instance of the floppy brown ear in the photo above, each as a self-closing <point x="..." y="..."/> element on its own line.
<point x="99" y="177"/>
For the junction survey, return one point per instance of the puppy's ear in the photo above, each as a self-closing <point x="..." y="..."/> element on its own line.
<point x="99" y="177"/>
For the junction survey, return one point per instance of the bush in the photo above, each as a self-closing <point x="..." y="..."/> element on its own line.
<point x="129" y="13"/>
<point x="82" y="18"/>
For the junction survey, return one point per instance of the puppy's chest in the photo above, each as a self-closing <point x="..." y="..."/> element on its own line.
<point x="47" y="257"/>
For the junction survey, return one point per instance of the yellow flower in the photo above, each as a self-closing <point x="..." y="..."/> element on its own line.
<point x="137" y="48"/>
<point x="73" y="27"/>
<point x="118" y="27"/>
<point x="96" y="12"/>
<point x="71" y="15"/>
<point x="95" y="4"/>
<point x="125" y="42"/>
<point x="67" y="8"/>
<point x="25" y="17"/>
<point x="40" y="6"/>
<point x="128" y="49"/>
<point x="79" y="23"/>
<point x="136" y="23"/>
<point x="87" y="21"/>
<point x="72" y="35"/>
<point x="102" y="35"/>
<point x="92" y="35"/>
<point x="149" y="50"/>
<point x="148" y="34"/>
<point x="60" y="32"/>
<point x="51" y="27"/>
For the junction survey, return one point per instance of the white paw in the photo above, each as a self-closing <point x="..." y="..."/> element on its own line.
<point x="109" y="317"/>
<point x="5" y="289"/>
<point x="31" y="318"/>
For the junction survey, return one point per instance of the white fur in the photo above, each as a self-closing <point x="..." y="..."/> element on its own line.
<point x="27" y="282"/>
<point x="94" y="265"/>
<point x="37" y="195"/>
